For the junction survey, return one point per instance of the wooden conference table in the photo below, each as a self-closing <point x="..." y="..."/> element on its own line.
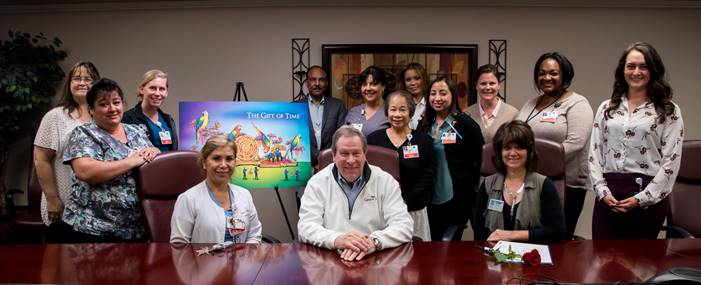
<point x="294" y="263"/>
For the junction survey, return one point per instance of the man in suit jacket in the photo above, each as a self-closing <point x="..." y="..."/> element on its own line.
<point x="326" y="113"/>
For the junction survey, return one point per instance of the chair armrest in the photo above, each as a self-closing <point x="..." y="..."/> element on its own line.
<point x="675" y="232"/>
<point x="9" y="200"/>
<point x="454" y="232"/>
<point x="266" y="238"/>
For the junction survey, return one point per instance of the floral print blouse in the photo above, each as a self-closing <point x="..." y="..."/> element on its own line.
<point x="637" y="143"/>
<point x="110" y="208"/>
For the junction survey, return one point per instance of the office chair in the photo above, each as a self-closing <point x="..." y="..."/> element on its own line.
<point x="382" y="157"/>
<point x="551" y="163"/>
<point x="158" y="185"/>
<point x="28" y="221"/>
<point x="682" y="218"/>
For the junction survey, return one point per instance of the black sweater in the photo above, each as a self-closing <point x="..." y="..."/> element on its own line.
<point x="417" y="174"/>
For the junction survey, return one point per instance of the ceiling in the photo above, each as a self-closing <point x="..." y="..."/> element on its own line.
<point x="54" y="6"/>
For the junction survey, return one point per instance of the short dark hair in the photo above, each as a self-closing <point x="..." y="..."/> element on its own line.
<point x="102" y="87"/>
<point x="566" y="69"/>
<point x="316" y="66"/>
<point x="487" y="68"/>
<point x="378" y="75"/>
<point x="404" y="94"/>
<point x="519" y="133"/>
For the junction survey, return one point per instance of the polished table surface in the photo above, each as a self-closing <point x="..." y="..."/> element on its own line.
<point x="294" y="263"/>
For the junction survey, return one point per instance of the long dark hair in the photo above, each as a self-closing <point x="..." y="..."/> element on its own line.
<point x="430" y="113"/>
<point x="67" y="102"/>
<point x="658" y="89"/>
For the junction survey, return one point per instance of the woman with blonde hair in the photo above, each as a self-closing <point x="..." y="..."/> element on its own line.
<point x="153" y="90"/>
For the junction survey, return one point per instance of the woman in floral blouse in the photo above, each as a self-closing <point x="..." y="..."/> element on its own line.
<point x="636" y="147"/>
<point x="103" y="206"/>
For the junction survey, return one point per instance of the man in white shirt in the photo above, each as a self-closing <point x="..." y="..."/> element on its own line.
<point x="351" y="206"/>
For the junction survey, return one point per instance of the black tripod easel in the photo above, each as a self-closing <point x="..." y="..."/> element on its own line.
<point x="284" y="212"/>
<point x="237" y="98"/>
<point x="240" y="90"/>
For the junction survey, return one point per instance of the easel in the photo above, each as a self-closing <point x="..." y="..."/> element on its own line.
<point x="240" y="90"/>
<point x="237" y="98"/>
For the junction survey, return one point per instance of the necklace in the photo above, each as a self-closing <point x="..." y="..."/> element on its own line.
<point x="513" y="194"/>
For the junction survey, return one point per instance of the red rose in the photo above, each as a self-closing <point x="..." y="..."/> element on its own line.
<point x="531" y="258"/>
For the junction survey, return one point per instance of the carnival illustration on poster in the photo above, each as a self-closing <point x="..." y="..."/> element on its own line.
<point x="272" y="139"/>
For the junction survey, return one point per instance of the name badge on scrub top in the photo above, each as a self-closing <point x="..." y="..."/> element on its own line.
<point x="358" y="127"/>
<point x="448" y="138"/>
<point x="411" y="151"/>
<point x="495" y="205"/>
<point x="165" y="137"/>
<point x="548" y="117"/>
<point x="235" y="226"/>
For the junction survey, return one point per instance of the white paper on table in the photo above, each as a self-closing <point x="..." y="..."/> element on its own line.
<point x="521" y="248"/>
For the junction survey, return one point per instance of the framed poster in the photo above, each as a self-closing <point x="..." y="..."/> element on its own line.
<point x="345" y="62"/>
<point x="272" y="139"/>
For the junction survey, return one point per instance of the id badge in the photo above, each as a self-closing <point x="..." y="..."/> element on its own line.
<point x="411" y="151"/>
<point x="235" y="226"/>
<point x="495" y="205"/>
<point x="165" y="137"/>
<point x="358" y="127"/>
<point x="448" y="138"/>
<point x="548" y="117"/>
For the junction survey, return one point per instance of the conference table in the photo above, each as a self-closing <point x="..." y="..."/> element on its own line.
<point x="582" y="261"/>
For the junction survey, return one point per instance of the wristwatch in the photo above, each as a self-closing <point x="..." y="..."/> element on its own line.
<point x="378" y="244"/>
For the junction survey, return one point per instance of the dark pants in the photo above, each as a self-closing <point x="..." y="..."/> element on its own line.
<point x="78" y="237"/>
<point x="574" y="201"/>
<point x="456" y="211"/>
<point x="638" y="223"/>
<point x="58" y="232"/>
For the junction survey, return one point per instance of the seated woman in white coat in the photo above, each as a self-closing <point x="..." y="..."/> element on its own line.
<point x="215" y="210"/>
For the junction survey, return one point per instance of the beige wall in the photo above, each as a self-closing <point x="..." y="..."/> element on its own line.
<point x="206" y="50"/>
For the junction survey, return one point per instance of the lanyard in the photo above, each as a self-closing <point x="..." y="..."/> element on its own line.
<point x="529" y="117"/>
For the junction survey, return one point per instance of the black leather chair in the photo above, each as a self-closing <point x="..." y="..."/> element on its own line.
<point x="683" y="217"/>
<point x="382" y="157"/>
<point x="158" y="185"/>
<point x="29" y="226"/>
<point x="551" y="163"/>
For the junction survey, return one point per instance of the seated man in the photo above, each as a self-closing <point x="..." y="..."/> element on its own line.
<point x="351" y="206"/>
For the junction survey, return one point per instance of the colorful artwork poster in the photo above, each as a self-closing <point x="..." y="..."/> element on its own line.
<point x="272" y="139"/>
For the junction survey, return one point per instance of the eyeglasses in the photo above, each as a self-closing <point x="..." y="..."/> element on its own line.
<point x="78" y="79"/>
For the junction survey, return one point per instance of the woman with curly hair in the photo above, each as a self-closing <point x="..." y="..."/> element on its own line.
<point x="636" y="146"/>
